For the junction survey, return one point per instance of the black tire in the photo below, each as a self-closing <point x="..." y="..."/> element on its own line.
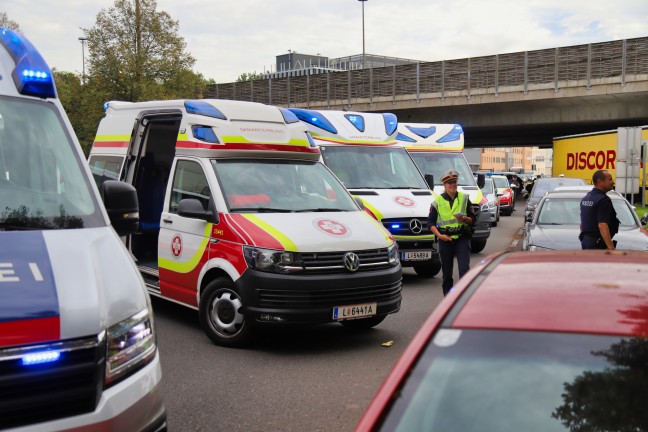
<point x="477" y="245"/>
<point x="221" y="314"/>
<point x="428" y="271"/>
<point x="364" y="323"/>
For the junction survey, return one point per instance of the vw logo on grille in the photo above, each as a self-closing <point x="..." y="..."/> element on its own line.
<point x="416" y="226"/>
<point x="351" y="261"/>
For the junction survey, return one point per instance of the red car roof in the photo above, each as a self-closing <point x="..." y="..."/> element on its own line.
<point x="565" y="291"/>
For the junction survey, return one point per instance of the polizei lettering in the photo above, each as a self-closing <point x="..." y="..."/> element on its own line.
<point x="591" y="160"/>
<point x="8" y="274"/>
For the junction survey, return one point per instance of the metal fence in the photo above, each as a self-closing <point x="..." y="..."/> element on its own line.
<point x="616" y="61"/>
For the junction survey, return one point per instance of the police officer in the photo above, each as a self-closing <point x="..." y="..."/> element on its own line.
<point x="450" y="219"/>
<point x="598" y="218"/>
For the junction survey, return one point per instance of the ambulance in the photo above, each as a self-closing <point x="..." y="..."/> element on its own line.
<point x="361" y="149"/>
<point x="240" y="220"/>
<point x="436" y="148"/>
<point x="77" y="338"/>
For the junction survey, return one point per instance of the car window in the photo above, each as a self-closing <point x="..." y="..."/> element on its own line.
<point x="488" y="187"/>
<point x="545" y="185"/>
<point x="624" y="213"/>
<point x="559" y="211"/>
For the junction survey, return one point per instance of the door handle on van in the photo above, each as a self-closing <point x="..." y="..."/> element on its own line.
<point x="169" y="221"/>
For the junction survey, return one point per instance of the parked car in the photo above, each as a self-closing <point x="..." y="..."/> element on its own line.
<point x="505" y="194"/>
<point x="565" y="350"/>
<point x="555" y="224"/>
<point x="490" y="193"/>
<point x="547" y="184"/>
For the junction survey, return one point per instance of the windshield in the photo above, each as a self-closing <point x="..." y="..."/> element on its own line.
<point x="436" y="163"/>
<point x="511" y="381"/>
<point x="566" y="211"/>
<point x="280" y="186"/>
<point x="501" y="182"/>
<point x="542" y="186"/>
<point x="42" y="182"/>
<point x="488" y="187"/>
<point x="373" y="167"/>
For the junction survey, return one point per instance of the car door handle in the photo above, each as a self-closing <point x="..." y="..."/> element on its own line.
<point x="169" y="221"/>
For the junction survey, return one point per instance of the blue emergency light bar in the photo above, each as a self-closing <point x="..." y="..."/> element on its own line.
<point x="204" y="133"/>
<point x="203" y="108"/>
<point x="288" y="116"/>
<point x="40" y="358"/>
<point x="395" y="226"/>
<point x="423" y="132"/>
<point x="356" y="120"/>
<point x="453" y="135"/>
<point x="314" y="118"/>
<point x="391" y="123"/>
<point x="31" y="75"/>
<point x="401" y="137"/>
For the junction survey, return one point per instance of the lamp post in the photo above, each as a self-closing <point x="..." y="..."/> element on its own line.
<point x="83" y="41"/>
<point x="363" y="34"/>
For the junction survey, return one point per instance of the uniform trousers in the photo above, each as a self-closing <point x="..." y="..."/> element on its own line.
<point x="459" y="248"/>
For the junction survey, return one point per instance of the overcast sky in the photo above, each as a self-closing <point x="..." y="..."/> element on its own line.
<point x="230" y="37"/>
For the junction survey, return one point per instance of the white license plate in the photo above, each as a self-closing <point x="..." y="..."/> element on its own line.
<point x="416" y="256"/>
<point x="341" y="313"/>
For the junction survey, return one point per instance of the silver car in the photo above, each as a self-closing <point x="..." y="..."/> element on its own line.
<point x="490" y="193"/>
<point x="555" y="224"/>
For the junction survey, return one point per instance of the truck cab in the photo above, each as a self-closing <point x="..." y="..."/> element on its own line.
<point x="241" y="220"/>
<point x="78" y="346"/>
<point x="436" y="148"/>
<point x="360" y="148"/>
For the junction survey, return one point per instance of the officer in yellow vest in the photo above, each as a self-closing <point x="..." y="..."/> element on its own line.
<point x="451" y="218"/>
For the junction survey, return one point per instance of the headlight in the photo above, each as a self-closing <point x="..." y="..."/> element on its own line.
<point x="130" y="345"/>
<point x="485" y="207"/>
<point x="272" y="260"/>
<point x="491" y="204"/>
<point x="393" y="254"/>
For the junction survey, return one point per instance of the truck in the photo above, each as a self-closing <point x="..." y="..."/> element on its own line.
<point x="436" y="148"/>
<point x="361" y="149"/>
<point x="240" y="220"/>
<point x="78" y="349"/>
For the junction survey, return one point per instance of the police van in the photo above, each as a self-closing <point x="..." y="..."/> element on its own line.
<point x="436" y="148"/>
<point x="240" y="220"/>
<point x="77" y="339"/>
<point x="361" y="149"/>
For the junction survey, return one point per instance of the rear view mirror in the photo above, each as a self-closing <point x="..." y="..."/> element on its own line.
<point x="193" y="208"/>
<point x="481" y="180"/>
<point x="644" y="219"/>
<point x="120" y="200"/>
<point x="429" y="179"/>
<point x="529" y="217"/>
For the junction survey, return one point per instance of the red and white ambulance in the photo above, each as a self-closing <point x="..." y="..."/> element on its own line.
<point x="240" y="219"/>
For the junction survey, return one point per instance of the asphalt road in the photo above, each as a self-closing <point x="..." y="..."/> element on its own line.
<point x="319" y="378"/>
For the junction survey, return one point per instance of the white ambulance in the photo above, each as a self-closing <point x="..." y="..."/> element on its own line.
<point x="361" y="149"/>
<point x="438" y="147"/>
<point x="77" y="340"/>
<point x="240" y="220"/>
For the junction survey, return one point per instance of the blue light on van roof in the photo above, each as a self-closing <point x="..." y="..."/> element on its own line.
<point x="204" y="133"/>
<point x="423" y="132"/>
<point x="391" y="123"/>
<point x="356" y="120"/>
<point x="311" y="142"/>
<point x="314" y="118"/>
<point x="288" y="116"/>
<point x="40" y="358"/>
<point x="401" y="137"/>
<point x="453" y="135"/>
<point x="31" y="75"/>
<point x="203" y="108"/>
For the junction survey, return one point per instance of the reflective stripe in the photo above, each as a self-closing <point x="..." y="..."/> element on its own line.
<point x="243" y="140"/>
<point x="285" y="241"/>
<point x="445" y="213"/>
<point x="371" y="208"/>
<point x="188" y="266"/>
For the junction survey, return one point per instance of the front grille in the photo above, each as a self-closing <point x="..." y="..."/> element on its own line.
<point x="402" y="226"/>
<point x="37" y="393"/>
<point x="333" y="262"/>
<point x="307" y="298"/>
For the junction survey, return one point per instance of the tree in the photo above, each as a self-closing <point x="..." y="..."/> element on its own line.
<point x="8" y="23"/>
<point x="136" y="54"/>
<point x="244" y="77"/>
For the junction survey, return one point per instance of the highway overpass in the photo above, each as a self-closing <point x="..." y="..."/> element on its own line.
<point x="514" y="99"/>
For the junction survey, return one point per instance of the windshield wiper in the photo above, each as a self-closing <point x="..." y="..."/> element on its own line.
<point x="405" y="187"/>
<point x="320" y="209"/>
<point x="261" y="210"/>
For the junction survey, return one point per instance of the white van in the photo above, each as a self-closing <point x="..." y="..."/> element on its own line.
<point x="240" y="219"/>
<point x="436" y="148"/>
<point x="77" y="339"/>
<point x="361" y="149"/>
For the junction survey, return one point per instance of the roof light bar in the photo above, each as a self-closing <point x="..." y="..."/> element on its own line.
<point x="423" y="132"/>
<point x="288" y="116"/>
<point x="203" y="108"/>
<point x="453" y="135"/>
<point x="314" y="118"/>
<point x="204" y="133"/>
<point x="391" y="123"/>
<point x="356" y="120"/>
<point x="31" y="75"/>
<point x="401" y="137"/>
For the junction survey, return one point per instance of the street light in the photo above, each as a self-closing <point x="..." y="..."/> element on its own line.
<point x="363" y="34"/>
<point x="83" y="41"/>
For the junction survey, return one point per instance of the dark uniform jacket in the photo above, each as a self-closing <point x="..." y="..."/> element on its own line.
<point x="596" y="207"/>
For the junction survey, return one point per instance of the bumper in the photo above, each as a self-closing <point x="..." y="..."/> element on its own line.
<point x="134" y="404"/>
<point x="303" y="299"/>
<point x="419" y="246"/>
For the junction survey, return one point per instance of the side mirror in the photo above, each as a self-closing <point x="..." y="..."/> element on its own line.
<point x="120" y="200"/>
<point x="429" y="179"/>
<point x="499" y="194"/>
<point x="358" y="201"/>
<point x="529" y="217"/>
<point x="192" y="208"/>
<point x="644" y="219"/>
<point x="481" y="180"/>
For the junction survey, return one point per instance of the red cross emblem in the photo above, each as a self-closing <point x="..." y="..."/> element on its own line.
<point x="404" y="201"/>
<point x="331" y="227"/>
<point x="176" y="245"/>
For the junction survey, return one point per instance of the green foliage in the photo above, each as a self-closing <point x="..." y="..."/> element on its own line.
<point x="5" y="21"/>
<point x="244" y="77"/>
